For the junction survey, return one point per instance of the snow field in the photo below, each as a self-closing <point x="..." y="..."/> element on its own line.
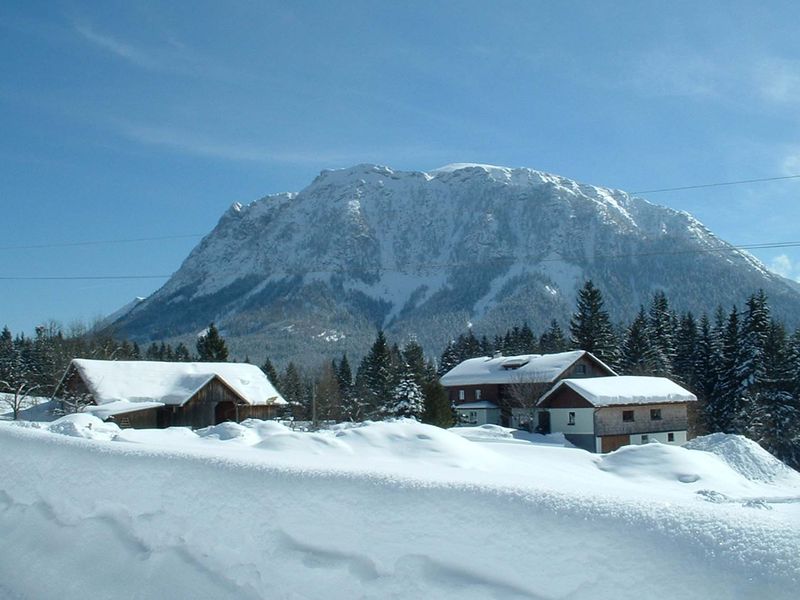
<point x="381" y="510"/>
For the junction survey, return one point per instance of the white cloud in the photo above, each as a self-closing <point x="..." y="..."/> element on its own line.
<point x="118" y="48"/>
<point x="673" y="72"/>
<point x="785" y="267"/>
<point x="791" y="164"/>
<point x="167" y="54"/>
<point x="778" y="80"/>
<point x="199" y="144"/>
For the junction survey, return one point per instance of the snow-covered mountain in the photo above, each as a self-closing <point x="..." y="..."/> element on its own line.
<point x="310" y="274"/>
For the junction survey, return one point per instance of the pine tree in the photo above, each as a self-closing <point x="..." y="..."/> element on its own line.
<point x="635" y="356"/>
<point x="661" y="335"/>
<point x="354" y="408"/>
<point x="471" y="347"/>
<point x="269" y="370"/>
<point x="182" y="353"/>
<point x="794" y="361"/>
<point x="553" y="339"/>
<point x="327" y="394"/>
<point x="375" y="375"/>
<point x="526" y="340"/>
<point x="449" y="358"/>
<point x="152" y="352"/>
<point x="704" y="374"/>
<point x="751" y="364"/>
<point x="486" y="346"/>
<point x="590" y="326"/>
<point x="437" y="405"/>
<point x="685" y="347"/>
<point x="345" y="376"/>
<point x="414" y="357"/>
<point x="6" y="354"/>
<point x="294" y="392"/>
<point x="727" y="405"/>
<point x="211" y="346"/>
<point x="406" y="397"/>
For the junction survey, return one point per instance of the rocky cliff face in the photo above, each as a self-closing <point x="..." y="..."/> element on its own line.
<point x="312" y="274"/>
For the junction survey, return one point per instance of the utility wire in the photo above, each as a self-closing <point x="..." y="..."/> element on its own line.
<point x="104" y="242"/>
<point x="197" y="235"/>
<point x="426" y="266"/>
<point x="718" y="184"/>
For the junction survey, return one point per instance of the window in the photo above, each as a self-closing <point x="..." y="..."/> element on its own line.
<point x="627" y="416"/>
<point x="645" y="438"/>
<point x="461" y="395"/>
<point x="571" y="420"/>
<point x="580" y="370"/>
<point x="478" y="394"/>
<point x="655" y="414"/>
<point x="670" y="437"/>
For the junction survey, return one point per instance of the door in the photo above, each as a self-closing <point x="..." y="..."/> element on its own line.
<point x="224" y="411"/>
<point x="614" y="442"/>
<point x="543" y="422"/>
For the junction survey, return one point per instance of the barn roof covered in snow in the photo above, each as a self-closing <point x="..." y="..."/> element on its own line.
<point x="171" y="383"/>
<point x="528" y="368"/>
<point x="626" y="389"/>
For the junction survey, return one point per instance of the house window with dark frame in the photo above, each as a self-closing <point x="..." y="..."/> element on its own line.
<point x="670" y="437"/>
<point x="627" y="416"/>
<point x="645" y="438"/>
<point x="655" y="414"/>
<point x="580" y="369"/>
<point x="478" y="394"/>
<point x="461" y="395"/>
<point x="571" y="418"/>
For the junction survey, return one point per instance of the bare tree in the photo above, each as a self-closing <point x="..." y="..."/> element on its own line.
<point x="18" y="397"/>
<point x="523" y="393"/>
<point x="73" y="402"/>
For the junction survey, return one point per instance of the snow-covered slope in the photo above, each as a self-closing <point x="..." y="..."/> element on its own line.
<point x="383" y="510"/>
<point x="426" y="253"/>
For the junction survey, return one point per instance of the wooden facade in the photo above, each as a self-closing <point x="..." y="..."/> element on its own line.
<point x="214" y="403"/>
<point x="609" y="420"/>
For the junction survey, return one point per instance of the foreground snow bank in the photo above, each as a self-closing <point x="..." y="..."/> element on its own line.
<point x="233" y="512"/>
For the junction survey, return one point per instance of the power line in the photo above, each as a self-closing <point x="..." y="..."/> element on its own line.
<point x="424" y="266"/>
<point x="104" y="242"/>
<point x="198" y="235"/>
<point x="718" y="184"/>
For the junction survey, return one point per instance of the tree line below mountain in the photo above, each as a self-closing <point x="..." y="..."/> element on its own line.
<point x="743" y="366"/>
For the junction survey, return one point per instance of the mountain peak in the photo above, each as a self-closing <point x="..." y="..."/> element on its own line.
<point x="315" y="273"/>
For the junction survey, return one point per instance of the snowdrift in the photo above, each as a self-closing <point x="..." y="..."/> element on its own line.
<point x="378" y="510"/>
<point x="743" y="455"/>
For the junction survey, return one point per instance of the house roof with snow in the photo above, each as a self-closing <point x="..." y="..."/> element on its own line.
<point x="622" y="390"/>
<point x="527" y="368"/>
<point x="172" y="383"/>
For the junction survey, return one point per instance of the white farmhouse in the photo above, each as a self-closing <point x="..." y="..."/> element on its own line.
<point x="602" y="414"/>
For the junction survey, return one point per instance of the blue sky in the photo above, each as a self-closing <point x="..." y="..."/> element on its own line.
<point x="125" y="120"/>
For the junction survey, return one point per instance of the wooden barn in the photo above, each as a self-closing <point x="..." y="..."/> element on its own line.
<point x="503" y="390"/>
<point x="603" y="414"/>
<point x="146" y="394"/>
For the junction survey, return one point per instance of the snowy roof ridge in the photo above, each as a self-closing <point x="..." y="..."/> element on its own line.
<point x="625" y="389"/>
<point x="171" y="383"/>
<point x="532" y="368"/>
